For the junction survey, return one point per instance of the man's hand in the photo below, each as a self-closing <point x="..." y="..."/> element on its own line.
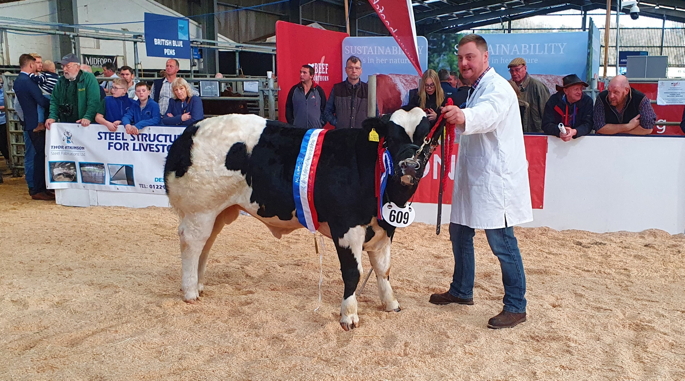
<point x="570" y="133"/>
<point x="186" y="116"/>
<point x="131" y="129"/>
<point x="635" y="122"/>
<point x="169" y="115"/>
<point x="84" y="122"/>
<point x="454" y="115"/>
<point x="48" y="123"/>
<point x="111" y="126"/>
<point x="116" y="123"/>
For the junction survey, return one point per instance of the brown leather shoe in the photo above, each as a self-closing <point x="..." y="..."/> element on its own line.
<point x="447" y="298"/>
<point x="506" y="319"/>
<point x="42" y="196"/>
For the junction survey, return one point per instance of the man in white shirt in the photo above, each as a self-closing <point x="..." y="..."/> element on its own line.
<point x="491" y="189"/>
<point x="161" y="89"/>
<point x="109" y="71"/>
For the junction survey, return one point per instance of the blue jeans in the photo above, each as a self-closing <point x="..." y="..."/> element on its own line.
<point x="505" y="247"/>
<point x="29" y="153"/>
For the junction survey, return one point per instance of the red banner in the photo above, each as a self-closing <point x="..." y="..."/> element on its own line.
<point x="398" y="18"/>
<point x="536" y="153"/>
<point x="663" y="113"/>
<point x="298" y="45"/>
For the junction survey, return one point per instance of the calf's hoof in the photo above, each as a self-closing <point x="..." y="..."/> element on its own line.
<point x="348" y="326"/>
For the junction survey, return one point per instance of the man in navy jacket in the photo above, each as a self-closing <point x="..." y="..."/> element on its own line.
<point x="570" y="107"/>
<point x="30" y="97"/>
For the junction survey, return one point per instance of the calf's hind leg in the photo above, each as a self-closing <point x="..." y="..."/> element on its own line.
<point x="194" y="232"/>
<point x="380" y="261"/>
<point x="224" y="218"/>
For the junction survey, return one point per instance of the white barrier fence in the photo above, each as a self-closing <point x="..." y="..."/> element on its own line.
<point x="595" y="183"/>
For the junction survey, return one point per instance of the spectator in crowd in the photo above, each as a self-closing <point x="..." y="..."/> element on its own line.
<point x="115" y="106"/>
<point x="184" y="108"/>
<point x="455" y="80"/>
<point x="430" y="97"/>
<point x="491" y="189"/>
<point x="682" y="123"/>
<point x="109" y="71"/>
<point x="4" y="148"/>
<point x="570" y="107"/>
<point x="46" y="80"/>
<point x="447" y="87"/>
<point x="126" y="73"/>
<point x="45" y="75"/>
<point x="623" y="110"/>
<point x="144" y="111"/>
<point x="29" y="95"/>
<point x="77" y="95"/>
<point x="532" y="91"/>
<point x="161" y="88"/>
<point x="347" y="105"/>
<point x="306" y="101"/>
<point x="29" y="153"/>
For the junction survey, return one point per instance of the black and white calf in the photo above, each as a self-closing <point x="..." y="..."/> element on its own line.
<point x="231" y="163"/>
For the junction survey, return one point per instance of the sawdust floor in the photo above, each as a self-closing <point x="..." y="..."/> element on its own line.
<point x="94" y="294"/>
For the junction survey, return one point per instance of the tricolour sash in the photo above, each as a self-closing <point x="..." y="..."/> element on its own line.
<point x="305" y="177"/>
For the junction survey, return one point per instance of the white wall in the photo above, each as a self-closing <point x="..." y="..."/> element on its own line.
<point x="90" y="12"/>
<point x="606" y="184"/>
<point x="595" y="183"/>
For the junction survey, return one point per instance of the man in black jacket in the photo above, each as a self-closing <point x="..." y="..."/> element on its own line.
<point x="306" y="101"/>
<point x="347" y="105"/>
<point x="570" y="107"/>
<point x="30" y="97"/>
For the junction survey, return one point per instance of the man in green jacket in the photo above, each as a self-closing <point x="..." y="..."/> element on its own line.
<point x="76" y="98"/>
<point x="530" y="91"/>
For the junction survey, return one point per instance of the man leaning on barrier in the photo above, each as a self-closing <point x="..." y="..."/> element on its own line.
<point x="623" y="110"/>
<point x="76" y="98"/>
<point x="570" y="109"/>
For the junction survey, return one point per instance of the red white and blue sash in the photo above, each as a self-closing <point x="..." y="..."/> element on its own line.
<point x="305" y="177"/>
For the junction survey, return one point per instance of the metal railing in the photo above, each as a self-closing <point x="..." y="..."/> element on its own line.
<point x="261" y="102"/>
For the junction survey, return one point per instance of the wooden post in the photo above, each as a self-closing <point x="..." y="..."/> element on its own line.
<point x="347" y="16"/>
<point x="607" y="27"/>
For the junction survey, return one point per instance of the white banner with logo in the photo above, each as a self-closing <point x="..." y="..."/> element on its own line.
<point x="95" y="158"/>
<point x="670" y="93"/>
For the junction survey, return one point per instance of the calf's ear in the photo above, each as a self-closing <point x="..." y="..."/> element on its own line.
<point x="377" y="124"/>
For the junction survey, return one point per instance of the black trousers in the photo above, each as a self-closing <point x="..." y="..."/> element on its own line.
<point x="38" y="140"/>
<point x="4" y="146"/>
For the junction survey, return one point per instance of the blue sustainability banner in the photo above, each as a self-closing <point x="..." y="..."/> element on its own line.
<point x="545" y="53"/>
<point x="382" y="55"/>
<point x="167" y="36"/>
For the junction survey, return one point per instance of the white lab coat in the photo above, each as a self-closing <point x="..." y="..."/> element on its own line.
<point x="491" y="188"/>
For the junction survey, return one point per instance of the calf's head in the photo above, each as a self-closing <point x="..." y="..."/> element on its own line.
<point x="405" y="133"/>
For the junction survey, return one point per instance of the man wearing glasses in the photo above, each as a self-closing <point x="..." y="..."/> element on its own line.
<point x="115" y="106"/>
<point x="76" y="98"/>
<point x="531" y="91"/>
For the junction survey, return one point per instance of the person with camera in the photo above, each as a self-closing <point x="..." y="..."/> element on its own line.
<point x="76" y="98"/>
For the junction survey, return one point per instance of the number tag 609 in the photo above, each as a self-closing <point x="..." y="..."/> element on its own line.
<point x="398" y="217"/>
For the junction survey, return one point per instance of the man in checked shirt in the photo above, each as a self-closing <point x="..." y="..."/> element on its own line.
<point x="623" y="110"/>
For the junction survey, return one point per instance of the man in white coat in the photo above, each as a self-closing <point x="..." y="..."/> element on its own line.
<point x="491" y="189"/>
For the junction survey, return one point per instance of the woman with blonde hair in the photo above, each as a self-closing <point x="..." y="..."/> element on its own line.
<point x="429" y="96"/>
<point x="184" y="108"/>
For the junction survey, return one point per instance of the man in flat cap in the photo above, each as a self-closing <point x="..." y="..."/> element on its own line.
<point x="76" y="97"/>
<point x="531" y="91"/>
<point x="570" y="108"/>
